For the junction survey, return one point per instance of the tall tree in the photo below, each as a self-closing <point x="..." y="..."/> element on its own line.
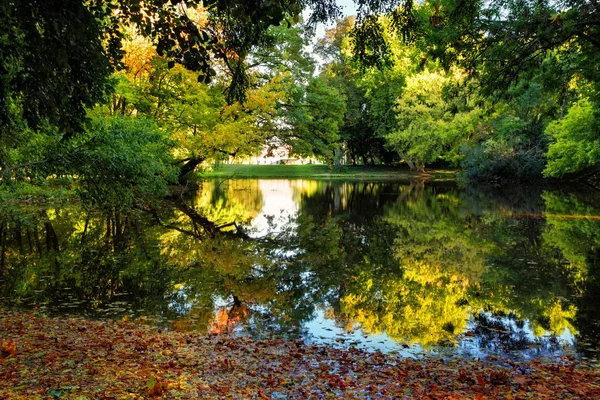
<point x="56" y="56"/>
<point x="500" y="41"/>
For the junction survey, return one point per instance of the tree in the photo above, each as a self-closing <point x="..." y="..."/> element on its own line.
<point x="283" y="104"/>
<point x="510" y="142"/>
<point x="527" y="55"/>
<point x="120" y="161"/>
<point x="370" y="96"/>
<point x="53" y="62"/>
<point x="436" y="117"/>
<point x="575" y="141"/>
<point x="420" y="113"/>
<point x="314" y="117"/>
<point x="195" y="114"/>
<point x="308" y="109"/>
<point x="57" y="55"/>
<point x="500" y="42"/>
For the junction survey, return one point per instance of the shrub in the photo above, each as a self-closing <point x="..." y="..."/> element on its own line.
<point x="121" y="160"/>
<point x="498" y="161"/>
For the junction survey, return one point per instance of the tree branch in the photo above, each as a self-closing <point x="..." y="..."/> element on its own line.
<point x="24" y="165"/>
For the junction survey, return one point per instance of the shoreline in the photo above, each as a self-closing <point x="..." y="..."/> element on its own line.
<point x="76" y="358"/>
<point x="317" y="171"/>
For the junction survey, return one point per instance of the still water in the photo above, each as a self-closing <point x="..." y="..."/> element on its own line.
<point x="409" y="267"/>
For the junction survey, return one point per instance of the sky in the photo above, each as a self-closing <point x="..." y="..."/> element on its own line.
<point x="348" y="8"/>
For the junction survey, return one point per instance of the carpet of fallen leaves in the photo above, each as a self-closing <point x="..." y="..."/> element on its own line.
<point x="74" y="358"/>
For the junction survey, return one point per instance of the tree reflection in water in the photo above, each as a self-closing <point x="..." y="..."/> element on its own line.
<point x="428" y="264"/>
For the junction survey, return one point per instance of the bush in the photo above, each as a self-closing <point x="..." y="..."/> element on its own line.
<point x="497" y="161"/>
<point x="575" y="141"/>
<point x="121" y="160"/>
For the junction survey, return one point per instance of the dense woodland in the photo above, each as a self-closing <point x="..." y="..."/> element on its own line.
<point x="126" y="97"/>
<point x="111" y="111"/>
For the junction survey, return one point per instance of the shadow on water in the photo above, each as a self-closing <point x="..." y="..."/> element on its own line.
<point x="410" y="267"/>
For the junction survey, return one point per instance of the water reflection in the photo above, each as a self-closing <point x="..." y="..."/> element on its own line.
<point x="404" y="266"/>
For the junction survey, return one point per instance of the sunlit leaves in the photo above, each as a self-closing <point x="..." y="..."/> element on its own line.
<point x="427" y="129"/>
<point x="575" y="145"/>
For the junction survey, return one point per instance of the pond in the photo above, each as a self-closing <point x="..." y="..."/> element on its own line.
<point x="408" y="267"/>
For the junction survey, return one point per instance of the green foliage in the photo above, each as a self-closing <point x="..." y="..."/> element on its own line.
<point x="232" y="80"/>
<point x="206" y="128"/>
<point x="510" y="143"/>
<point x="429" y="127"/>
<point x="369" y="37"/>
<point x="575" y="141"/>
<point x="33" y="157"/>
<point x="500" y="42"/>
<point x="120" y="161"/>
<point x="531" y="60"/>
<point x="283" y="49"/>
<point x="381" y="91"/>
<point x="316" y="118"/>
<point x="370" y="96"/>
<point x="53" y="63"/>
<point x="56" y="56"/>
<point x="496" y="160"/>
<point x="420" y="114"/>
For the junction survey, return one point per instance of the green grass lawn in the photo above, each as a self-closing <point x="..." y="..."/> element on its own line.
<point x="322" y="171"/>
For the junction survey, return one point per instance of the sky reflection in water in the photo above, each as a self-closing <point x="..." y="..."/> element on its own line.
<point x="411" y="267"/>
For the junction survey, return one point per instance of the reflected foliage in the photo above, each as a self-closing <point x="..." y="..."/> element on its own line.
<point x="424" y="263"/>
<point x="69" y="258"/>
<point x="574" y="229"/>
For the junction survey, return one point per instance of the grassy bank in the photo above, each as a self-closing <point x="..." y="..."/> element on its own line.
<point x="75" y="358"/>
<point x="323" y="172"/>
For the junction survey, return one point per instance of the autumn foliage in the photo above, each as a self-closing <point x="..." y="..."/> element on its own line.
<point x="68" y="357"/>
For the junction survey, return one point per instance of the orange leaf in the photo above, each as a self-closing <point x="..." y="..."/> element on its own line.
<point x="155" y="387"/>
<point x="9" y="347"/>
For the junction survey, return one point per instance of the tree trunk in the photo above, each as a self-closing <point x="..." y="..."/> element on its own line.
<point x="188" y="168"/>
<point x="407" y="160"/>
<point x="51" y="238"/>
